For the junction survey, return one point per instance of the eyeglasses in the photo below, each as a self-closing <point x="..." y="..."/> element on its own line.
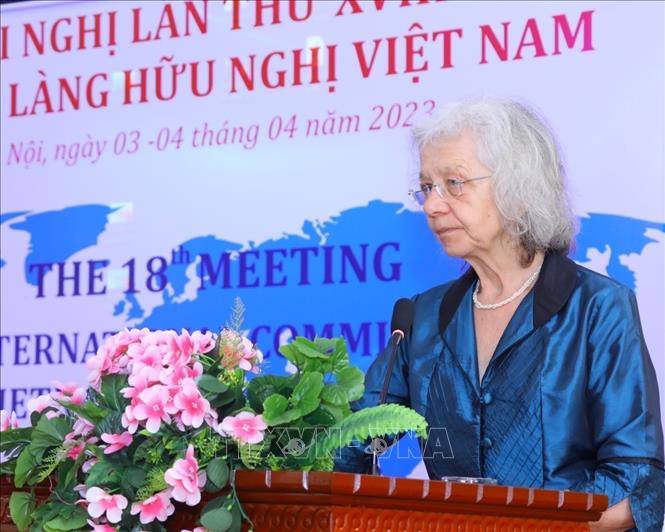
<point x="450" y="187"/>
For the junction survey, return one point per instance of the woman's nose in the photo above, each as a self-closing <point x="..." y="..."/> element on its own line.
<point x="435" y="204"/>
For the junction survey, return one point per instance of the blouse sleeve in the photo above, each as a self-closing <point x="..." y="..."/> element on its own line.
<point x="623" y="410"/>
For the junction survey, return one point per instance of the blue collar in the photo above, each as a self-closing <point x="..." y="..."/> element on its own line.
<point x="553" y="288"/>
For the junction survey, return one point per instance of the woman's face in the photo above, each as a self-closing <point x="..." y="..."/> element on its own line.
<point x="468" y="225"/>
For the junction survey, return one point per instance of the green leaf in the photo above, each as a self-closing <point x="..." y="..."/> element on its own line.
<point x="320" y="418"/>
<point x="218" y="519"/>
<point x="15" y="439"/>
<point x="111" y="424"/>
<point x="275" y="405"/>
<point x="89" y="411"/>
<point x="335" y="394"/>
<point x="176" y="445"/>
<point x="35" y="417"/>
<point x="308" y="405"/>
<point x="50" y="432"/>
<point x="307" y="391"/>
<point x="50" y="510"/>
<point x="369" y="422"/>
<point x="48" y="464"/>
<point x="326" y="345"/>
<point x="211" y="384"/>
<point x="260" y="388"/>
<point x="218" y="472"/>
<point x="21" y="505"/>
<point x="223" y="399"/>
<point x="7" y="468"/>
<point x="237" y="402"/>
<point x="308" y="349"/>
<point x="291" y="353"/>
<point x="339" y="361"/>
<point x="67" y="473"/>
<point x="111" y="386"/>
<point x="147" y="446"/>
<point x="314" y="365"/>
<point x="133" y="476"/>
<point x="77" y="520"/>
<point x="25" y="464"/>
<point x="102" y="473"/>
<point x="353" y="380"/>
<point x="309" y="387"/>
<point x="225" y="502"/>
<point x="287" y="417"/>
<point x="338" y="412"/>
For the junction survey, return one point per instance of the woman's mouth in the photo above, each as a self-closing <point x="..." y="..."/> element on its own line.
<point x="445" y="231"/>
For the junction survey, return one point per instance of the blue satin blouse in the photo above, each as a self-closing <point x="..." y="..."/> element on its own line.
<point x="569" y="399"/>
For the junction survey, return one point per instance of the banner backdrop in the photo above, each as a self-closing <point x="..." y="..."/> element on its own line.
<point x="160" y="159"/>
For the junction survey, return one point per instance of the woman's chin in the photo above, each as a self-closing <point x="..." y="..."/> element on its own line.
<point x="452" y="246"/>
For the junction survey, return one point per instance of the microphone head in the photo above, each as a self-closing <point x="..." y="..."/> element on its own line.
<point x="403" y="314"/>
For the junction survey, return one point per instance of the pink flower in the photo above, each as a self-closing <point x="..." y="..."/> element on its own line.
<point x="40" y="403"/>
<point x="74" y="448"/>
<point x="197" y="529"/>
<point x="185" y="479"/>
<point x="129" y="421"/>
<point x="156" y="507"/>
<point x="139" y="383"/>
<point x="184" y="346"/>
<point x="69" y="392"/>
<point x="102" y="502"/>
<point x="98" y="365"/>
<point x="102" y="528"/>
<point x="236" y="350"/>
<point x="87" y="465"/>
<point x="255" y="361"/>
<point x="117" y="344"/>
<point x="82" y="427"/>
<point x="67" y="389"/>
<point x="74" y="451"/>
<point x="193" y="407"/>
<point x="117" y="441"/>
<point x="197" y="342"/>
<point x="112" y="356"/>
<point x="153" y="406"/>
<point x="146" y="364"/>
<point x="211" y="418"/>
<point x="176" y="375"/>
<point x="8" y="421"/>
<point x="245" y="427"/>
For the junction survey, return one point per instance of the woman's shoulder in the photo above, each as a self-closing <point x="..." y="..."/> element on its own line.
<point x="594" y="282"/>
<point x="604" y="296"/>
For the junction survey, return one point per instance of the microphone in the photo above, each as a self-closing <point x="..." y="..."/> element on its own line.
<point x="400" y="325"/>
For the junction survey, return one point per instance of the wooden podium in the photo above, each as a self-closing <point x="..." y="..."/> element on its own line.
<point x="300" y="501"/>
<point x="315" y="501"/>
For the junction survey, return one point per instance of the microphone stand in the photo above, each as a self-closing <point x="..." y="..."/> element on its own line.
<point x="396" y="337"/>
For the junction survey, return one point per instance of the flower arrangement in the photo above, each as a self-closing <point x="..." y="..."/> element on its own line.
<point x="168" y="416"/>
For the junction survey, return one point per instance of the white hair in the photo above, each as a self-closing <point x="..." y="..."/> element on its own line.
<point x="516" y="144"/>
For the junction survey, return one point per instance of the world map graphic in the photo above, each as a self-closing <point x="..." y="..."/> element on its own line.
<point x="338" y="277"/>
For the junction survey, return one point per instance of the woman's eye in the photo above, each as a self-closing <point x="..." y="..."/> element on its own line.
<point x="426" y="187"/>
<point x="454" y="181"/>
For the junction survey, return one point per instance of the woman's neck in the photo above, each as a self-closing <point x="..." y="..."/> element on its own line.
<point x="501" y="274"/>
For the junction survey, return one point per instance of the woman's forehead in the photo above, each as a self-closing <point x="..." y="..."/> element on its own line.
<point x="447" y="155"/>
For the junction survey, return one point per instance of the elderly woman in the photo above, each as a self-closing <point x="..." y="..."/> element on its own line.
<point x="533" y="369"/>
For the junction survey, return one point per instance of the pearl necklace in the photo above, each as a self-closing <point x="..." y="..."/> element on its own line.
<point x="492" y="306"/>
